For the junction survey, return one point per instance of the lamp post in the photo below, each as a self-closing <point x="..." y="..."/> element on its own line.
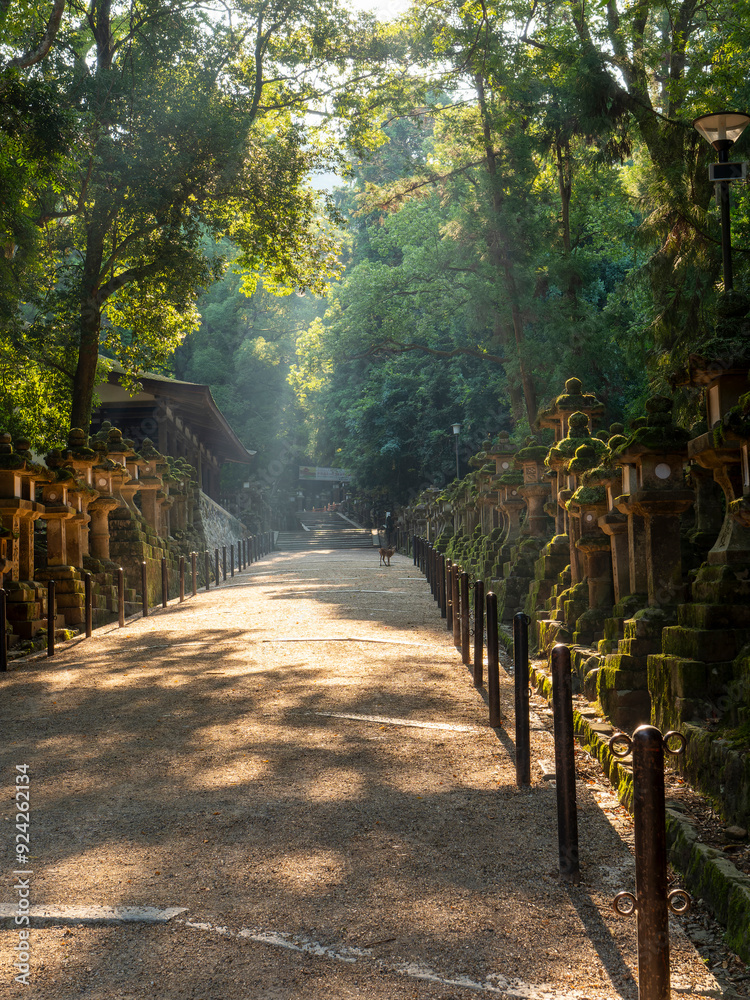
<point x="456" y="429"/>
<point x="722" y="130"/>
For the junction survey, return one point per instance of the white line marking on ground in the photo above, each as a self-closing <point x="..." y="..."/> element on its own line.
<point x="94" y="914"/>
<point x="389" y="721"/>
<point x="495" y="983"/>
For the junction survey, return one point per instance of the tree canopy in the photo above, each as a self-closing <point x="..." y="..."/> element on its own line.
<point x="522" y="198"/>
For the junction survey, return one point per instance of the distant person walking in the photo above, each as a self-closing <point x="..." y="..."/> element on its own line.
<point x="388" y="527"/>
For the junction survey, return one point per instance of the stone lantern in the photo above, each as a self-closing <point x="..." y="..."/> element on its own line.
<point x="586" y="506"/>
<point x="124" y="474"/>
<point x="558" y="459"/>
<point x="100" y="508"/>
<point x="81" y="459"/>
<point x="18" y="507"/>
<point x="502" y="452"/>
<point x="613" y="522"/>
<point x="653" y="484"/>
<point x="486" y="492"/>
<point x="150" y="484"/>
<point x="512" y="505"/>
<point x="557" y="416"/>
<point x="536" y="488"/>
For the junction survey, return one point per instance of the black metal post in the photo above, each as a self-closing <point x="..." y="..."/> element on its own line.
<point x="207" y="568"/>
<point x="565" y="769"/>
<point x="651" y="864"/>
<point x="521" y="679"/>
<point x="224" y="562"/>
<point x="231" y="560"/>
<point x="493" y="662"/>
<point x="414" y="549"/>
<point x="478" y="632"/>
<point x="88" y="604"/>
<point x="457" y="609"/>
<point x="449" y="595"/>
<point x="441" y="585"/>
<point x="216" y="574"/>
<point x="652" y="901"/>
<point x="120" y="597"/>
<point x="3" y="633"/>
<point x="164" y="582"/>
<point x="51" y="616"/>
<point x="182" y="579"/>
<point x="465" y="656"/>
<point x="726" y="226"/>
<point x="194" y="571"/>
<point x="144" y="588"/>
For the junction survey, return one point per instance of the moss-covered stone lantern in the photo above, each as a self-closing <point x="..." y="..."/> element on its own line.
<point x="586" y="506"/>
<point x="653" y="483"/>
<point x="558" y="459"/>
<point x="536" y="488"/>
<point x="18" y="507"/>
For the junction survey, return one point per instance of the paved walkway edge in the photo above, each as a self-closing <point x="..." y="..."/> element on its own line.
<point x="708" y="874"/>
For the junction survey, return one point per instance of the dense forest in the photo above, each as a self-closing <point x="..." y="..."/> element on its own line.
<point x="515" y="194"/>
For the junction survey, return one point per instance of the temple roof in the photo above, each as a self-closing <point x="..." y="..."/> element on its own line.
<point x="190" y="401"/>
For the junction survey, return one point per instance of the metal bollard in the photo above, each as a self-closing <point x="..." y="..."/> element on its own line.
<point x="521" y="678"/>
<point x="3" y="634"/>
<point x="194" y="571"/>
<point x="493" y="662"/>
<point x="651" y="901"/>
<point x="231" y="560"/>
<point x="224" y="562"/>
<point x="164" y="582"/>
<point x="216" y="574"/>
<point x="457" y="609"/>
<point x="565" y="768"/>
<point x="478" y="632"/>
<point x="465" y="656"/>
<point x="51" y="616"/>
<point x="414" y="548"/>
<point x="120" y="597"/>
<point x="88" y="604"/>
<point x="448" y="595"/>
<point x="243" y="556"/>
<point x="207" y="568"/>
<point x="144" y="588"/>
<point x="182" y="579"/>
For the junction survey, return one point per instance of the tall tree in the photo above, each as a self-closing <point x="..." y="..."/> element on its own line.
<point x="189" y="121"/>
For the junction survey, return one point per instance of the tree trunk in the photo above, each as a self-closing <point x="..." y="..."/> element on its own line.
<point x="90" y="323"/>
<point x="502" y="256"/>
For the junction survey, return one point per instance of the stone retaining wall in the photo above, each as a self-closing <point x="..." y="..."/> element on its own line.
<point x="218" y="527"/>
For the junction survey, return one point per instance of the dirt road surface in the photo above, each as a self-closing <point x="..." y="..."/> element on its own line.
<point x="287" y="787"/>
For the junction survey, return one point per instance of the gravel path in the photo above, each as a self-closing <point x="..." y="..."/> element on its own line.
<point x="298" y="769"/>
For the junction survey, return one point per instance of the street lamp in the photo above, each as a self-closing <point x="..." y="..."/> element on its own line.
<point x="456" y="429"/>
<point x="722" y="130"/>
